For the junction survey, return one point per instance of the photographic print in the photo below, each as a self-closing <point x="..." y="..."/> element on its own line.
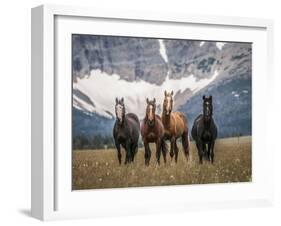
<point x="156" y="112"/>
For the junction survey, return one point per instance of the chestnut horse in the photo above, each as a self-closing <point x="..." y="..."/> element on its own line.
<point x="175" y="125"/>
<point x="152" y="131"/>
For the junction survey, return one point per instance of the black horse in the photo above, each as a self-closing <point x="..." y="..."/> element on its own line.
<point x="126" y="132"/>
<point x="204" y="131"/>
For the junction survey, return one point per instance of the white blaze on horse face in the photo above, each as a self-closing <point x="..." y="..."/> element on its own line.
<point x="168" y="107"/>
<point x="150" y="116"/>
<point x="208" y="111"/>
<point x="119" y="111"/>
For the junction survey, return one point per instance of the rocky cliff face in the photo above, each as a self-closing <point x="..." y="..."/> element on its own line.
<point x="140" y="58"/>
<point x="132" y="58"/>
<point x="192" y="57"/>
<point x="203" y="58"/>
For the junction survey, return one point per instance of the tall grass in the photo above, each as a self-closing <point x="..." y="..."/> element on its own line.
<point x="92" y="169"/>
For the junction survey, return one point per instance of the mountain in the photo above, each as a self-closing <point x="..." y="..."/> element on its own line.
<point x="231" y="105"/>
<point x="106" y="67"/>
<point x="132" y="58"/>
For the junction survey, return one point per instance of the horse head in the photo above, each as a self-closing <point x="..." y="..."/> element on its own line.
<point x="150" y="111"/>
<point x="168" y="103"/>
<point x="120" y="110"/>
<point x="207" y="108"/>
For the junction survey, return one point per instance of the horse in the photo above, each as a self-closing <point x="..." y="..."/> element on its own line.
<point x="176" y="126"/>
<point x="204" y="131"/>
<point x="152" y="131"/>
<point x="126" y="132"/>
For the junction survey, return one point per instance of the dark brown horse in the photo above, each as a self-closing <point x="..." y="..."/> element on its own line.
<point x="152" y="131"/>
<point x="125" y="132"/>
<point x="175" y="124"/>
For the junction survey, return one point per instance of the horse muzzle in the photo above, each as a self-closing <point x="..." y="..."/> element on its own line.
<point x="168" y="112"/>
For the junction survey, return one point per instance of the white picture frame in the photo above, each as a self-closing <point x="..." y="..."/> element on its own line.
<point x="52" y="197"/>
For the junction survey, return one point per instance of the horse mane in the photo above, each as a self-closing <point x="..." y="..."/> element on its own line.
<point x="133" y="117"/>
<point x="158" y="117"/>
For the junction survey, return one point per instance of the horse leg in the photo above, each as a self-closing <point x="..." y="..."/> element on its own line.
<point x="128" y="152"/>
<point x="172" y="148"/>
<point x="176" y="150"/>
<point x="147" y="153"/>
<point x="205" y="152"/>
<point x="134" y="150"/>
<point x="164" y="149"/>
<point x="117" y="144"/>
<point x="212" y="151"/>
<point x="185" y="144"/>
<point x="158" y="150"/>
<point x="200" y="151"/>
<point x="209" y="151"/>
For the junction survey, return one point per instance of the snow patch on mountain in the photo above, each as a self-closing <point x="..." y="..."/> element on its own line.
<point x="201" y="43"/>
<point x="162" y="50"/>
<point x="85" y="107"/>
<point x="102" y="89"/>
<point x="220" y="45"/>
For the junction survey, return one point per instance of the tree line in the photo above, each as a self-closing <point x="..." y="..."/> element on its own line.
<point x="98" y="141"/>
<point x="94" y="142"/>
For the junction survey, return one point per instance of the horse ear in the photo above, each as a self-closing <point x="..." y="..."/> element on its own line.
<point x="165" y="93"/>
<point x="116" y="100"/>
<point x="211" y="97"/>
<point x="204" y="97"/>
<point x="172" y="93"/>
<point x="147" y="101"/>
<point x="122" y="100"/>
<point x="154" y="100"/>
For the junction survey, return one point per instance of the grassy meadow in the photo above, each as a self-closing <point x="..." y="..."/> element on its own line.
<point x="95" y="169"/>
